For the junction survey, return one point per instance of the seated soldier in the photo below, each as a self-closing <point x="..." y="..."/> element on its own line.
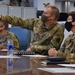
<point x="5" y="34"/>
<point x="69" y="44"/>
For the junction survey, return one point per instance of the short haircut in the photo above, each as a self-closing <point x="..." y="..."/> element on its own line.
<point x="55" y="11"/>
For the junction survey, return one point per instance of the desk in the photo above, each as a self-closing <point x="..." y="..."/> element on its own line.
<point x="28" y="66"/>
<point x="21" y="65"/>
<point x="36" y="63"/>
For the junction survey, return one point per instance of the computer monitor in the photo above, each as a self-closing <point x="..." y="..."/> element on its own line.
<point x="63" y="17"/>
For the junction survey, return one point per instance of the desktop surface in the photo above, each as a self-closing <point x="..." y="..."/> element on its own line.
<point x="28" y="65"/>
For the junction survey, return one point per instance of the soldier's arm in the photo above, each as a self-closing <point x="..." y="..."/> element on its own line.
<point x="66" y="46"/>
<point x="15" y="41"/>
<point x="22" y="22"/>
<point x="55" y="41"/>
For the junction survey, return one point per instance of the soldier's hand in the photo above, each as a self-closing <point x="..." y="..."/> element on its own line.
<point x="29" y="49"/>
<point x="52" y="52"/>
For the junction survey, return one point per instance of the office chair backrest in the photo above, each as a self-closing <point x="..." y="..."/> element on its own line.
<point x="23" y="35"/>
<point x="62" y="23"/>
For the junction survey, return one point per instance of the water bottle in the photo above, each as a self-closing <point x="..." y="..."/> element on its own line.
<point x="9" y="65"/>
<point x="10" y="48"/>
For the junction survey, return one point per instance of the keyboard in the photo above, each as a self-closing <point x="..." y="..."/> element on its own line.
<point x="24" y="53"/>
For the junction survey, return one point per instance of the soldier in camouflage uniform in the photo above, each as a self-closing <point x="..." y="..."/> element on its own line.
<point x="47" y="32"/>
<point x="68" y="47"/>
<point x="4" y="35"/>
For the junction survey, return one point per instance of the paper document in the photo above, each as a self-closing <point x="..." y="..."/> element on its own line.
<point x="67" y="65"/>
<point x="34" y="55"/>
<point x="58" y="70"/>
<point x="2" y="56"/>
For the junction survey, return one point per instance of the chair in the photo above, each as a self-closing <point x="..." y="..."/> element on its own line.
<point x="62" y="23"/>
<point x="23" y="35"/>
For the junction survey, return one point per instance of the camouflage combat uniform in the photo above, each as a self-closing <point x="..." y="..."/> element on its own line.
<point x="45" y="37"/>
<point x="3" y="40"/>
<point x="68" y="46"/>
